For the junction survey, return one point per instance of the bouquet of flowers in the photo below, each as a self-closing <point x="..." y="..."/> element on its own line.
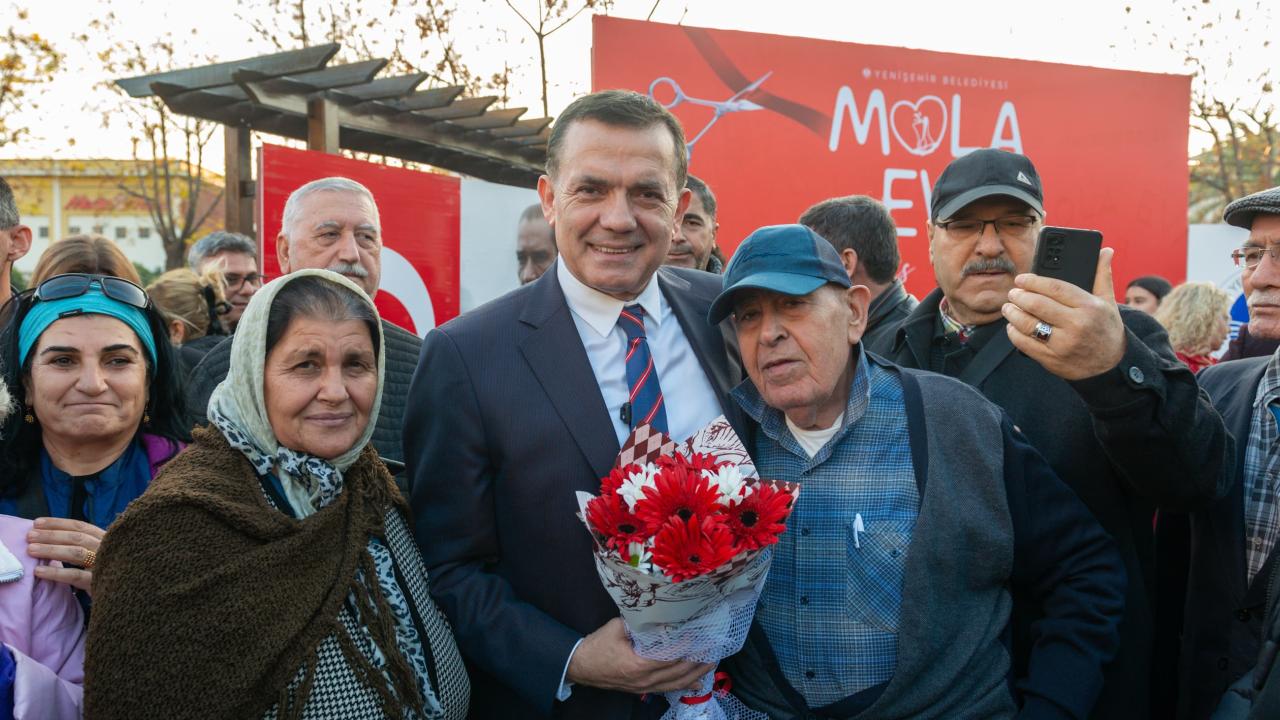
<point x="682" y="534"/>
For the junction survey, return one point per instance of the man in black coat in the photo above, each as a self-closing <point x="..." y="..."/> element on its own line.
<point x="861" y="229"/>
<point x="523" y="402"/>
<point x="332" y="224"/>
<point x="1233" y="542"/>
<point x="1095" y="388"/>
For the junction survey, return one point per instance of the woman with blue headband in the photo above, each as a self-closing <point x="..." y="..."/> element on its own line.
<point x="88" y="359"/>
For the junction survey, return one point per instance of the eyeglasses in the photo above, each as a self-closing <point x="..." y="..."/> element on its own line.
<point x="1249" y="257"/>
<point x="61" y="287"/>
<point x="235" y="280"/>
<point x="1013" y="227"/>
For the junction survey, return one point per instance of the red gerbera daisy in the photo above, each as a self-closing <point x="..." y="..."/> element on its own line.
<point x="679" y="491"/>
<point x="685" y="549"/>
<point x="610" y="483"/>
<point x="703" y="461"/>
<point x="758" y="519"/>
<point x="613" y="524"/>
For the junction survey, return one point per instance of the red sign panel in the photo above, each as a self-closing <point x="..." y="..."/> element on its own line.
<point x="777" y="124"/>
<point x="419" y="213"/>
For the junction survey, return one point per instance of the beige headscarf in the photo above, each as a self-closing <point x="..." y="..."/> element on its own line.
<point x="238" y="410"/>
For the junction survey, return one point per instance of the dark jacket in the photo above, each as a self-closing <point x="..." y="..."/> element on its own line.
<point x="1246" y="346"/>
<point x="191" y="353"/>
<point x="402" y="357"/>
<point x="1223" y="619"/>
<point x="885" y="315"/>
<point x="1140" y="435"/>
<point x="992" y="515"/>
<point x="506" y="423"/>
<point x="1256" y="696"/>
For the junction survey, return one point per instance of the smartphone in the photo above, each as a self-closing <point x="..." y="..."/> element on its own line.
<point x="1069" y="254"/>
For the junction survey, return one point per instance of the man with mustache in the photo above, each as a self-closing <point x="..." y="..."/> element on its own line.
<point x="1094" y="387"/>
<point x="1233" y="542"/>
<point x="331" y="224"/>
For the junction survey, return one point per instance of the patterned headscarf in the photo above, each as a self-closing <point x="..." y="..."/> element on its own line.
<point x="238" y="410"/>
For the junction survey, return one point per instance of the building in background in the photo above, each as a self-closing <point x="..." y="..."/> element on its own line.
<point x="57" y="198"/>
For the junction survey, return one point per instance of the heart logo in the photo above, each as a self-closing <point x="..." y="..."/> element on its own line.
<point x="925" y="124"/>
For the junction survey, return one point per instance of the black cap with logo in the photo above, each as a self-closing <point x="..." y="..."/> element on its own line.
<point x="984" y="173"/>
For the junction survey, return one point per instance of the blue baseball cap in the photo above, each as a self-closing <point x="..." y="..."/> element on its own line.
<point x="787" y="259"/>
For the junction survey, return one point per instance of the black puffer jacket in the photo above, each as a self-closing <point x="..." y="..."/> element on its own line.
<point x="402" y="358"/>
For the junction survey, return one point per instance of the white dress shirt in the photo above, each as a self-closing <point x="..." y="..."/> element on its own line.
<point x="689" y="399"/>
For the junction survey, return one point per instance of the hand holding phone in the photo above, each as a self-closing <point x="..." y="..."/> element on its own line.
<point x="1083" y="334"/>
<point x="1069" y="254"/>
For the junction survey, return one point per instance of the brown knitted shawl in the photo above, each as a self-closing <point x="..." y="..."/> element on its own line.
<point x="207" y="600"/>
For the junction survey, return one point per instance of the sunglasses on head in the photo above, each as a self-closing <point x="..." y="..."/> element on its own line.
<point x="61" y="287"/>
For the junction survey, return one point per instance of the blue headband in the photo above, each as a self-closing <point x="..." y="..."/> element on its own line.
<point x="45" y="313"/>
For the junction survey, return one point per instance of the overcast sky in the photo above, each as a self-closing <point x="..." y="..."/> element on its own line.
<point x="1115" y="34"/>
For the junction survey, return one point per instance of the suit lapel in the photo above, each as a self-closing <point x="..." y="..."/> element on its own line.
<point x="554" y="352"/>
<point x="709" y="343"/>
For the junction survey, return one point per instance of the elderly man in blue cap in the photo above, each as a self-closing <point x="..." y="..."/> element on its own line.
<point x="889" y="595"/>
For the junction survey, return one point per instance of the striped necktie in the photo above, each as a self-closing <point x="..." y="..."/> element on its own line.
<point x="642" y="377"/>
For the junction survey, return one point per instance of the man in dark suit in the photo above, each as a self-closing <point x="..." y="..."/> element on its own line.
<point x="518" y="404"/>
<point x="1094" y="387"/>
<point x="1233" y="543"/>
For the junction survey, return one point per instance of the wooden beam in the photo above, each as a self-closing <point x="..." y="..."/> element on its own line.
<point x="322" y="125"/>
<point x="283" y="63"/>
<point x="238" y="198"/>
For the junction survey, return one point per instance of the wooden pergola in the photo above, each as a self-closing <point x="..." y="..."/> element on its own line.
<point x="297" y="94"/>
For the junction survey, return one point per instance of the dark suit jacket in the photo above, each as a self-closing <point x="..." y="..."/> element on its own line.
<point x="1223" y="619"/>
<point x="1140" y="435"/>
<point x="505" y="424"/>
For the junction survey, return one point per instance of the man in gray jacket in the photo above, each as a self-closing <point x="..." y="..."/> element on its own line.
<point x="889" y="594"/>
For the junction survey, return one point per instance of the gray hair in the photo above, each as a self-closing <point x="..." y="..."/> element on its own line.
<point x="218" y="242"/>
<point x="329" y="184"/>
<point x="8" y="207"/>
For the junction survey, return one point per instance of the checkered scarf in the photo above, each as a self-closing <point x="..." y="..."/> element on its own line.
<point x="1262" y="472"/>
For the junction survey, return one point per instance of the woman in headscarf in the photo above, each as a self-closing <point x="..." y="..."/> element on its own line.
<point x="270" y="570"/>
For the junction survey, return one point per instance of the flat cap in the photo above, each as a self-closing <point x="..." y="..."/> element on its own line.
<point x="1240" y="212"/>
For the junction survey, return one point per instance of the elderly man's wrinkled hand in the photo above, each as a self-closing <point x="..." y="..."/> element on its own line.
<point x="1086" y="336"/>
<point x="70" y="542"/>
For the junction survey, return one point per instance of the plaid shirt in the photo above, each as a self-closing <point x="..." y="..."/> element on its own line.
<point x="1262" y="472"/>
<point x="830" y="605"/>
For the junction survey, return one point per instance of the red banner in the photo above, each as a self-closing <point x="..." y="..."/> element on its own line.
<point x="419" y="213"/>
<point x="777" y="124"/>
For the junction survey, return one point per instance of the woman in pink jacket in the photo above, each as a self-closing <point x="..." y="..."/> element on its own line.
<point x="41" y="628"/>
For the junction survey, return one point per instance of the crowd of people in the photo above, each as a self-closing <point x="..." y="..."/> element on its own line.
<point x="222" y="497"/>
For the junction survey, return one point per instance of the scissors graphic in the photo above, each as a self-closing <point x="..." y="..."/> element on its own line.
<point x="736" y="103"/>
